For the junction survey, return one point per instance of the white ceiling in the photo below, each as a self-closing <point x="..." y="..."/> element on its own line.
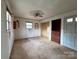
<point x="22" y="8"/>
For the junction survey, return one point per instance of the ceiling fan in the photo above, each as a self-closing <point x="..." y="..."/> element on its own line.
<point x="37" y="13"/>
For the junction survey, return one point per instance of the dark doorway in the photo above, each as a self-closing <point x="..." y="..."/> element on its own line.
<point x="56" y="30"/>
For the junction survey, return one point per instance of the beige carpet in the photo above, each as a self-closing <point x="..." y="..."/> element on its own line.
<point x="39" y="48"/>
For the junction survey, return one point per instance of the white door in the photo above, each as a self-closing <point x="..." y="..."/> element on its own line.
<point x="70" y="33"/>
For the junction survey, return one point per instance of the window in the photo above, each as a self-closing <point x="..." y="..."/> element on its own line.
<point x="8" y="18"/>
<point x="29" y="25"/>
<point x="76" y="19"/>
<point x="70" y="20"/>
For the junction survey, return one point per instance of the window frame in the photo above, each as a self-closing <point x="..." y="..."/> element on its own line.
<point x="69" y="20"/>
<point x="28" y="25"/>
<point x="8" y="20"/>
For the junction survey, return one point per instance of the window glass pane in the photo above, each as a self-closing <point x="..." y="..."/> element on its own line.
<point x="76" y="19"/>
<point x="28" y="23"/>
<point x="70" y="20"/>
<point x="7" y="25"/>
<point x="7" y="15"/>
<point x="29" y="27"/>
